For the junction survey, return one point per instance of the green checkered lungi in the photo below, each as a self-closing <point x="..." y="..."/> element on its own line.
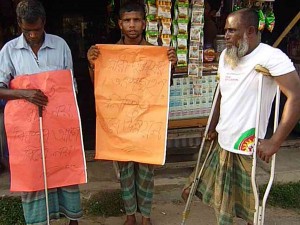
<point x="62" y="201"/>
<point x="137" y="185"/>
<point x="226" y="186"/>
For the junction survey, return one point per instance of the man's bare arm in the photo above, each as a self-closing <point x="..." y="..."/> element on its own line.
<point x="92" y="54"/>
<point x="34" y="96"/>
<point x="289" y="84"/>
<point x="290" y="87"/>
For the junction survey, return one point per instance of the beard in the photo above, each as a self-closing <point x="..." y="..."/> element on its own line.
<point x="234" y="53"/>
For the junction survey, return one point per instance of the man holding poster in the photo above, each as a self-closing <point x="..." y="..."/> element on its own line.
<point x="35" y="51"/>
<point x="136" y="176"/>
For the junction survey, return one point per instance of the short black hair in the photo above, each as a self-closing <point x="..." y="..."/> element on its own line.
<point x="248" y="17"/>
<point x="132" y="6"/>
<point x="30" y="11"/>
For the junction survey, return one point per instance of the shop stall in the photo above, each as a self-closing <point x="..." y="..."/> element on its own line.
<point x="193" y="27"/>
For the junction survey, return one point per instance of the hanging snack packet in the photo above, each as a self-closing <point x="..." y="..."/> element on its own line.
<point x="197" y="15"/>
<point x="166" y="26"/>
<point x="194" y="52"/>
<point x="270" y="19"/>
<point x="193" y="69"/>
<point x="152" y="37"/>
<point x="183" y="26"/>
<point x="198" y="3"/>
<point x="182" y="58"/>
<point x="151" y="8"/>
<point x="261" y="23"/>
<point x="182" y="41"/>
<point x="151" y="25"/>
<point x="183" y="9"/>
<point x="164" y="9"/>
<point x="166" y="39"/>
<point x="195" y="33"/>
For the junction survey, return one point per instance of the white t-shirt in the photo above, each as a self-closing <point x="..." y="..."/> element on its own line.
<point x="239" y="91"/>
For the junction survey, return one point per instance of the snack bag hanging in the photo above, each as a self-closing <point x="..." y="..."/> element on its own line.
<point x="270" y="19"/>
<point x="261" y="23"/>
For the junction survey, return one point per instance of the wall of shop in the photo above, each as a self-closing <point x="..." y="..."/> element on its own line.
<point x="83" y="23"/>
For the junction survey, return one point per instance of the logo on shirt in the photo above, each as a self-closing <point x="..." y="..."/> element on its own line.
<point x="246" y="141"/>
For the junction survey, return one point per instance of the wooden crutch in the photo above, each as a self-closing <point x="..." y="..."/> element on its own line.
<point x="198" y="173"/>
<point x="44" y="162"/>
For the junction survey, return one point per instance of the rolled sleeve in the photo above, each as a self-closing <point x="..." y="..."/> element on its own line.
<point x="6" y="67"/>
<point x="69" y="64"/>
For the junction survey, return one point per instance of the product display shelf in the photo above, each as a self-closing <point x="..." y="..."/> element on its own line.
<point x="191" y="98"/>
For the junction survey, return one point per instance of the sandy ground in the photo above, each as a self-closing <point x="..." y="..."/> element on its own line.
<point x="168" y="208"/>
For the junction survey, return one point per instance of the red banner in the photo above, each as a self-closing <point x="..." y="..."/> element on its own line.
<point x="64" y="154"/>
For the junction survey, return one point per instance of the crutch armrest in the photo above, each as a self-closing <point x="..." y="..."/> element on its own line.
<point x="260" y="69"/>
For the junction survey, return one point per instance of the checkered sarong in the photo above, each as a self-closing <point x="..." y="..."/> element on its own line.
<point x="137" y="184"/>
<point x="226" y="186"/>
<point x="62" y="201"/>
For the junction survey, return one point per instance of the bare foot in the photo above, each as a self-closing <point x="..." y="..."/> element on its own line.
<point x="146" y="221"/>
<point x="130" y="220"/>
<point x="185" y="194"/>
<point x="73" y="222"/>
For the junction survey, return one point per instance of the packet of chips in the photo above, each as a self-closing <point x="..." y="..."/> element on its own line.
<point x="193" y="69"/>
<point x="194" y="52"/>
<point x="152" y="37"/>
<point x="182" y="41"/>
<point x="197" y="3"/>
<point x="270" y="19"/>
<point x="197" y="16"/>
<point x="182" y="58"/>
<point x="166" y="39"/>
<point x="164" y="9"/>
<point x="166" y="24"/>
<point x="262" y="20"/>
<point x="183" y="26"/>
<point x="183" y="9"/>
<point x="151" y="8"/>
<point x="152" y="25"/>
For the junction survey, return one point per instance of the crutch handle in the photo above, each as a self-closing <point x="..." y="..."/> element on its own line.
<point x="40" y="111"/>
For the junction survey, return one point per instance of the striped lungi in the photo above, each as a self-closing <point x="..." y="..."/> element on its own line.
<point x="62" y="201"/>
<point x="226" y="186"/>
<point x="137" y="185"/>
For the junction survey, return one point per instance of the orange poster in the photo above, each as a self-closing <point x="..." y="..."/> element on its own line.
<point x="132" y="95"/>
<point x="65" y="160"/>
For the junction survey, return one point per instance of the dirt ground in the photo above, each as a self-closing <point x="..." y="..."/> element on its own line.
<point x="168" y="207"/>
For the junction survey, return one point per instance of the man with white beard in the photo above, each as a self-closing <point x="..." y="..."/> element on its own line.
<point x="225" y="183"/>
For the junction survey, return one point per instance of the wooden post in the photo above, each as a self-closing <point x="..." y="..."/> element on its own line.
<point x="287" y="30"/>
